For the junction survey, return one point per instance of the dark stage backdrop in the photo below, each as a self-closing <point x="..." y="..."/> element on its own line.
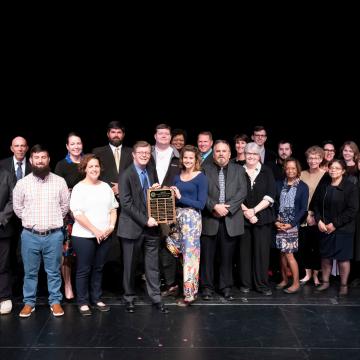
<point x="303" y="128"/>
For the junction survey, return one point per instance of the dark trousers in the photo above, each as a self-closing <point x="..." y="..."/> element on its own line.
<point x="131" y="251"/>
<point x="254" y="256"/>
<point x="309" y="248"/>
<point x="90" y="260"/>
<point x="168" y="262"/>
<point x="5" y="283"/>
<point x="226" y="245"/>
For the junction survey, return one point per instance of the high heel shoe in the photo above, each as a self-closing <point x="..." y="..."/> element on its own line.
<point x="304" y="281"/>
<point x="289" y="291"/>
<point x="281" y="286"/>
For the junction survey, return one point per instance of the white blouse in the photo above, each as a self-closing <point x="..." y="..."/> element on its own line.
<point x="96" y="203"/>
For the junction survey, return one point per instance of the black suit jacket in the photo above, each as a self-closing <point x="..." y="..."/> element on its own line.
<point x="7" y="184"/>
<point x="8" y="164"/>
<point x="133" y="216"/>
<point x="110" y="173"/>
<point x="173" y="169"/>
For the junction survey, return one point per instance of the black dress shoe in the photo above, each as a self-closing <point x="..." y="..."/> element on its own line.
<point x="171" y="291"/>
<point x="85" y="311"/>
<point x="102" y="307"/>
<point x="207" y="295"/>
<point x="228" y="295"/>
<point x="161" y="307"/>
<point x="244" y="289"/>
<point x="130" y="307"/>
<point x="265" y="291"/>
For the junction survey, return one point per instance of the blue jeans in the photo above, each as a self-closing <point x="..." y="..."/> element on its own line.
<point x="49" y="247"/>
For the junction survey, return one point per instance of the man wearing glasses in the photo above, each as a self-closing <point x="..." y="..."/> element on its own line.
<point x="137" y="229"/>
<point x="259" y="136"/>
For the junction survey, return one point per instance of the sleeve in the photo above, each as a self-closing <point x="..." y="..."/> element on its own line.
<point x="114" y="203"/>
<point x="7" y="212"/>
<point x="19" y="198"/>
<point x="301" y="204"/>
<point x="202" y="192"/>
<point x="351" y="206"/>
<point x="241" y="192"/>
<point x="76" y="200"/>
<point x="64" y="198"/>
<point x="127" y="201"/>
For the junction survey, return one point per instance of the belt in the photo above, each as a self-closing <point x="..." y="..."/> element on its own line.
<point x="43" y="233"/>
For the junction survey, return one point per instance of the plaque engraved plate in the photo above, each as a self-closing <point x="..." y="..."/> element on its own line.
<point x="161" y="205"/>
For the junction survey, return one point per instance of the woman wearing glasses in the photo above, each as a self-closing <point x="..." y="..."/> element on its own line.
<point x="335" y="207"/>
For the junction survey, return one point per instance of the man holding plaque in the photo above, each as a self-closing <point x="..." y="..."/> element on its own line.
<point x="137" y="229"/>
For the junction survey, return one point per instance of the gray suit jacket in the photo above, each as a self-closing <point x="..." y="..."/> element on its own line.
<point x="235" y="194"/>
<point x="133" y="215"/>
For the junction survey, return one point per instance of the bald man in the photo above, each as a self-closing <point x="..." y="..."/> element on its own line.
<point x="18" y="167"/>
<point x="17" y="164"/>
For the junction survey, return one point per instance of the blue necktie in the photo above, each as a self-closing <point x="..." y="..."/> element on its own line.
<point x="19" y="172"/>
<point x="145" y="184"/>
<point x="222" y="186"/>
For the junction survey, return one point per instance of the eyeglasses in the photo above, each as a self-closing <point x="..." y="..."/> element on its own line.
<point x="329" y="150"/>
<point x="143" y="153"/>
<point x="260" y="135"/>
<point x="252" y="154"/>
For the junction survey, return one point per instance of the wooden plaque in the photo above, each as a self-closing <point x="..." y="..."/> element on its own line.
<point x="161" y="205"/>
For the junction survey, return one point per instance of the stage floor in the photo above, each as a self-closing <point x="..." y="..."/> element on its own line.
<point x="306" y="325"/>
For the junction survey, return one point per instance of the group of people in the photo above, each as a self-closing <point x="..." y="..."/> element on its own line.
<point x="249" y="204"/>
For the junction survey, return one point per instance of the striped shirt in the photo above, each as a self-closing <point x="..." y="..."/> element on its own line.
<point x="41" y="204"/>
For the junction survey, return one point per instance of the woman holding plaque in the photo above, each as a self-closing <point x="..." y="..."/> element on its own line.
<point x="191" y="188"/>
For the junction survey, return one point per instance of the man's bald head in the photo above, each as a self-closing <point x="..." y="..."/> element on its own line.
<point x="19" y="147"/>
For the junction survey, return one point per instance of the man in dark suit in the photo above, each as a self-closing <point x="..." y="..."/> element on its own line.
<point x="115" y="158"/>
<point x="137" y="229"/>
<point x="7" y="184"/>
<point x="18" y="167"/>
<point x="222" y="220"/>
<point x="205" y="143"/>
<point x="259" y="136"/>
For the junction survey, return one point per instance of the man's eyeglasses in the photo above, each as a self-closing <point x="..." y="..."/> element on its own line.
<point x="143" y="153"/>
<point x="260" y="135"/>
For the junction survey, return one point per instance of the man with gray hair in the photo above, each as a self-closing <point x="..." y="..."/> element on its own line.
<point x="222" y="220"/>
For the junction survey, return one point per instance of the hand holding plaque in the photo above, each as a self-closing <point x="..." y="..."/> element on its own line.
<point x="161" y="205"/>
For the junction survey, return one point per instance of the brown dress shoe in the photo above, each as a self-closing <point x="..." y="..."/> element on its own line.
<point x="57" y="310"/>
<point x="26" y="311"/>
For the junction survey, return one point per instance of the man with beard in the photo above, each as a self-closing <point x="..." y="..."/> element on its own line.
<point x="222" y="220"/>
<point x="41" y="201"/>
<point x="115" y="158"/>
